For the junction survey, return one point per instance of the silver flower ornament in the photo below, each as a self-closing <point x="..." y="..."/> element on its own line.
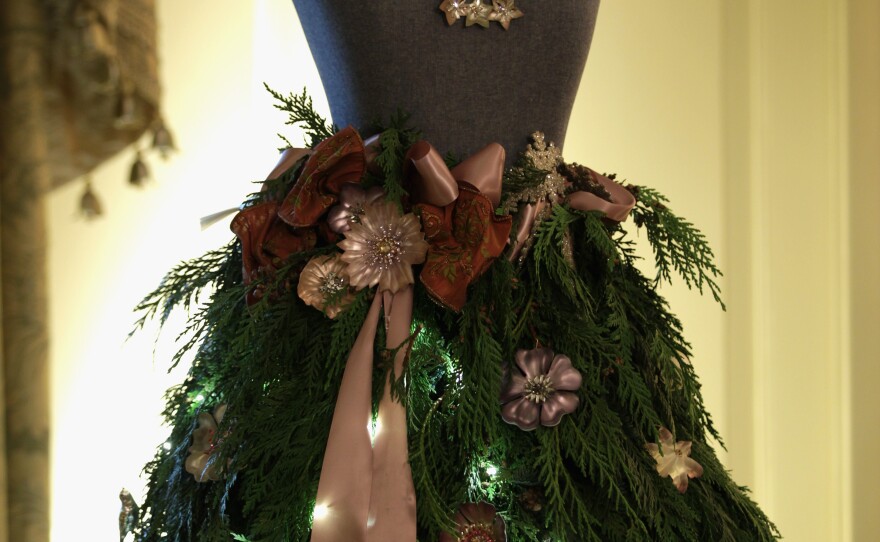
<point x="674" y="460"/>
<point x="540" y="389"/>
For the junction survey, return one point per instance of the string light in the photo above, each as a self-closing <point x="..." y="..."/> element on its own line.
<point x="166" y="445"/>
<point x="491" y="470"/>
<point x="321" y="512"/>
<point x="200" y="397"/>
<point x="374" y="427"/>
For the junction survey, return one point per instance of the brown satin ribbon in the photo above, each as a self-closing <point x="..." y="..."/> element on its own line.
<point x="367" y="490"/>
<point x="337" y="160"/>
<point x="622" y="202"/>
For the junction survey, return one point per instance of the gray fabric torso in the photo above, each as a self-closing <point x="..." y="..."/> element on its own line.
<point x="464" y="87"/>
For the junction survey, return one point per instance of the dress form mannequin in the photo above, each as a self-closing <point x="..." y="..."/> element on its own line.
<point x="464" y="87"/>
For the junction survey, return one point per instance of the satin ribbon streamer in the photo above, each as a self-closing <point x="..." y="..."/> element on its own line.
<point x="366" y="492"/>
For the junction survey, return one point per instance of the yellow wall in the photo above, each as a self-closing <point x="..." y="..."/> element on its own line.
<point x="864" y="260"/>
<point x="108" y="392"/>
<point x="747" y="115"/>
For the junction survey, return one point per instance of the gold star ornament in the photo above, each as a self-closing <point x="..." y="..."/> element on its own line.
<point x="479" y="12"/>
<point x="454" y="10"/>
<point x="504" y="11"/>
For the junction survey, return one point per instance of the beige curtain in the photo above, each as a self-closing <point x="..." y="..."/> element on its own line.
<point x="78" y="83"/>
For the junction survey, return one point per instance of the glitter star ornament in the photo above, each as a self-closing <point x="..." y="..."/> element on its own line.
<point x="382" y="247"/>
<point x="479" y="12"/>
<point x="323" y="284"/>
<point x="674" y="460"/>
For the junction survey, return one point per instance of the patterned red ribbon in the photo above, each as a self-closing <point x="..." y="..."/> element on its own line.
<point x="458" y="216"/>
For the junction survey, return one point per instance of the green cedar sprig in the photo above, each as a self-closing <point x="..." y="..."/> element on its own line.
<point x="301" y="112"/>
<point x="678" y="245"/>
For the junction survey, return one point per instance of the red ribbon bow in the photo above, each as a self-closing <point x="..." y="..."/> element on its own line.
<point x="457" y="208"/>
<point x="272" y="231"/>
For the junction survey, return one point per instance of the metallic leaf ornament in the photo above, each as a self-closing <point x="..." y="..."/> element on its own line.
<point x="201" y="461"/>
<point x="382" y="247"/>
<point x="673" y="459"/>
<point x="479" y="12"/>
<point x="540" y="389"/>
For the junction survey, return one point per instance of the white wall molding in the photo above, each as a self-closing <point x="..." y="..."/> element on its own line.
<point x="787" y="232"/>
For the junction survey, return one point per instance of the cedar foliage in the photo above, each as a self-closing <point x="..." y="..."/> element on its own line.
<point x="277" y="365"/>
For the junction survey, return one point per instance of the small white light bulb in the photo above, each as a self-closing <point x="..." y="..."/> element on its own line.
<point x="166" y="445"/>
<point x="491" y="470"/>
<point x="374" y="427"/>
<point x="200" y="397"/>
<point x="321" y="512"/>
